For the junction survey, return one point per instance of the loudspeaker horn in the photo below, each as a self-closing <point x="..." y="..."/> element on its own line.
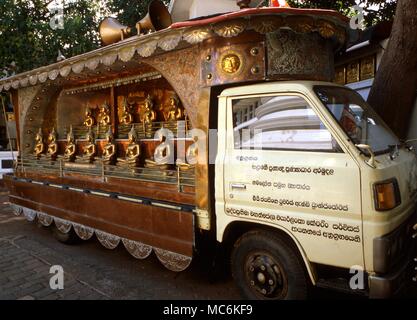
<point x="112" y="31"/>
<point x="158" y="18"/>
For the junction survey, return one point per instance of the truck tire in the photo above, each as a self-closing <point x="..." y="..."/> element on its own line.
<point x="67" y="238"/>
<point x="265" y="267"/>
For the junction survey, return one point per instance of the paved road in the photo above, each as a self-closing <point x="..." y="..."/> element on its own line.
<point x="27" y="251"/>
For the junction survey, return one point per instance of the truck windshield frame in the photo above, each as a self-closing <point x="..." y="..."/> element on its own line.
<point x="357" y="118"/>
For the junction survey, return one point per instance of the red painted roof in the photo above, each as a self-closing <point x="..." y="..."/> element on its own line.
<point x="259" y="11"/>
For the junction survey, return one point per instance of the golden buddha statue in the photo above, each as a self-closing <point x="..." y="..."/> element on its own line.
<point x="39" y="145"/>
<point x="126" y="117"/>
<point x="110" y="149"/>
<point x="132" y="157"/>
<point x="149" y="116"/>
<point x="163" y="156"/>
<point x="70" y="148"/>
<point x="104" y="115"/>
<point x="174" y="112"/>
<point x="90" y="150"/>
<point x="89" y="120"/>
<point x="191" y="157"/>
<point x="52" y="151"/>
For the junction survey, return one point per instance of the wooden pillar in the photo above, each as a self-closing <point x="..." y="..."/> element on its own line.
<point x="114" y="113"/>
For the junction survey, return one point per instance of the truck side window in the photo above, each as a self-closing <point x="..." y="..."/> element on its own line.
<point x="279" y="123"/>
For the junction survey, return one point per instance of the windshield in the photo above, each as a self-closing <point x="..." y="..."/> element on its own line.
<point x="360" y="122"/>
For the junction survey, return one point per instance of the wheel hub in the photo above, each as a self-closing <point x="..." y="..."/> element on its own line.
<point x="265" y="276"/>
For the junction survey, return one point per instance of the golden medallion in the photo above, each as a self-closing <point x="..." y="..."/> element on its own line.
<point x="231" y="63"/>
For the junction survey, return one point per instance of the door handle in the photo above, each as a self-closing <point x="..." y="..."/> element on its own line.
<point x="239" y="186"/>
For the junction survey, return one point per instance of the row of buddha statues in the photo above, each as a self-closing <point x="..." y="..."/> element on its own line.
<point x="148" y="115"/>
<point x="161" y="158"/>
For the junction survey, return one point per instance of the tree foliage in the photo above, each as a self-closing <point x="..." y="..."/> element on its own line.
<point x="128" y="12"/>
<point x="28" y="41"/>
<point x="374" y="10"/>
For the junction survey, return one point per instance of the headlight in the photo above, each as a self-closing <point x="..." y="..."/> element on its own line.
<point x="387" y="195"/>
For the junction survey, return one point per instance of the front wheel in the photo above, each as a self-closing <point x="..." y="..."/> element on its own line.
<point x="265" y="267"/>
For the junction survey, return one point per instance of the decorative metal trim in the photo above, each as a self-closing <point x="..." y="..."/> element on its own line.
<point x="15" y="84"/>
<point x="197" y="35"/>
<point x="17" y="210"/>
<point x="169" y="43"/>
<point x="43" y="77"/>
<point x="173" y="261"/>
<point x="44" y="219"/>
<point x="78" y="67"/>
<point x="65" y="71"/>
<point x="127" y="54"/>
<point x="52" y="75"/>
<point x="109" y="59"/>
<point x="92" y="64"/>
<point x="265" y="25"/>
<point x="63" y="225"/>
<point x="168" y="40"/>
<point x="138" y="250"/>
<point x="107" y="240"/>
<point x="230" y="29"/>
<point x="116" y="82"/>
<point x="83" y="232"/>
<point x="147" y="49"/>
<point x="326" y="29"/>
<point x="23" y="82"/>
<point x="29" y="214"/>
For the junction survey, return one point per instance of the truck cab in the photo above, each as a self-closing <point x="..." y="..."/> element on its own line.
<point x="309" y="180"/>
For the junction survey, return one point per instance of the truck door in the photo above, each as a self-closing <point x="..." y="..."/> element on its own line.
<point x="283" y="167"/>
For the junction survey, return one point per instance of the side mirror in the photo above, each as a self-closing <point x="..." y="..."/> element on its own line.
<point x="371" y="161"/>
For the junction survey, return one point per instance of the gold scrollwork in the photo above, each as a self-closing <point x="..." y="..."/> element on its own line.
<point x="92" y="64"/>
<point x="265" y="25"/>
<point x="169" y="43"/>
<point x="65" y="71"/>
<point x="24" y="82"/>
<point x="326" y="29"/>
<point x="33" y="80"/>
<point x="43" y="77"/>
<point x="147" y="49"/>
<point x="197" y="35"/>
<point x="127" y="54"/>
<point x="78" y="67"/>
<point x="301" y="24"/>
<point x="230" y="29"/>
<point x="15" y="84"/>
<point x="53" y="74"/>
<point x="109" y="59"/>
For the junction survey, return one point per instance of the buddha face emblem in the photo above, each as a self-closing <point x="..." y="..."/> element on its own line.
<point x="231" y="63"/>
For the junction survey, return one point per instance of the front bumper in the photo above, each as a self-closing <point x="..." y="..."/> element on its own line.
<point x="391" y="284"/>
